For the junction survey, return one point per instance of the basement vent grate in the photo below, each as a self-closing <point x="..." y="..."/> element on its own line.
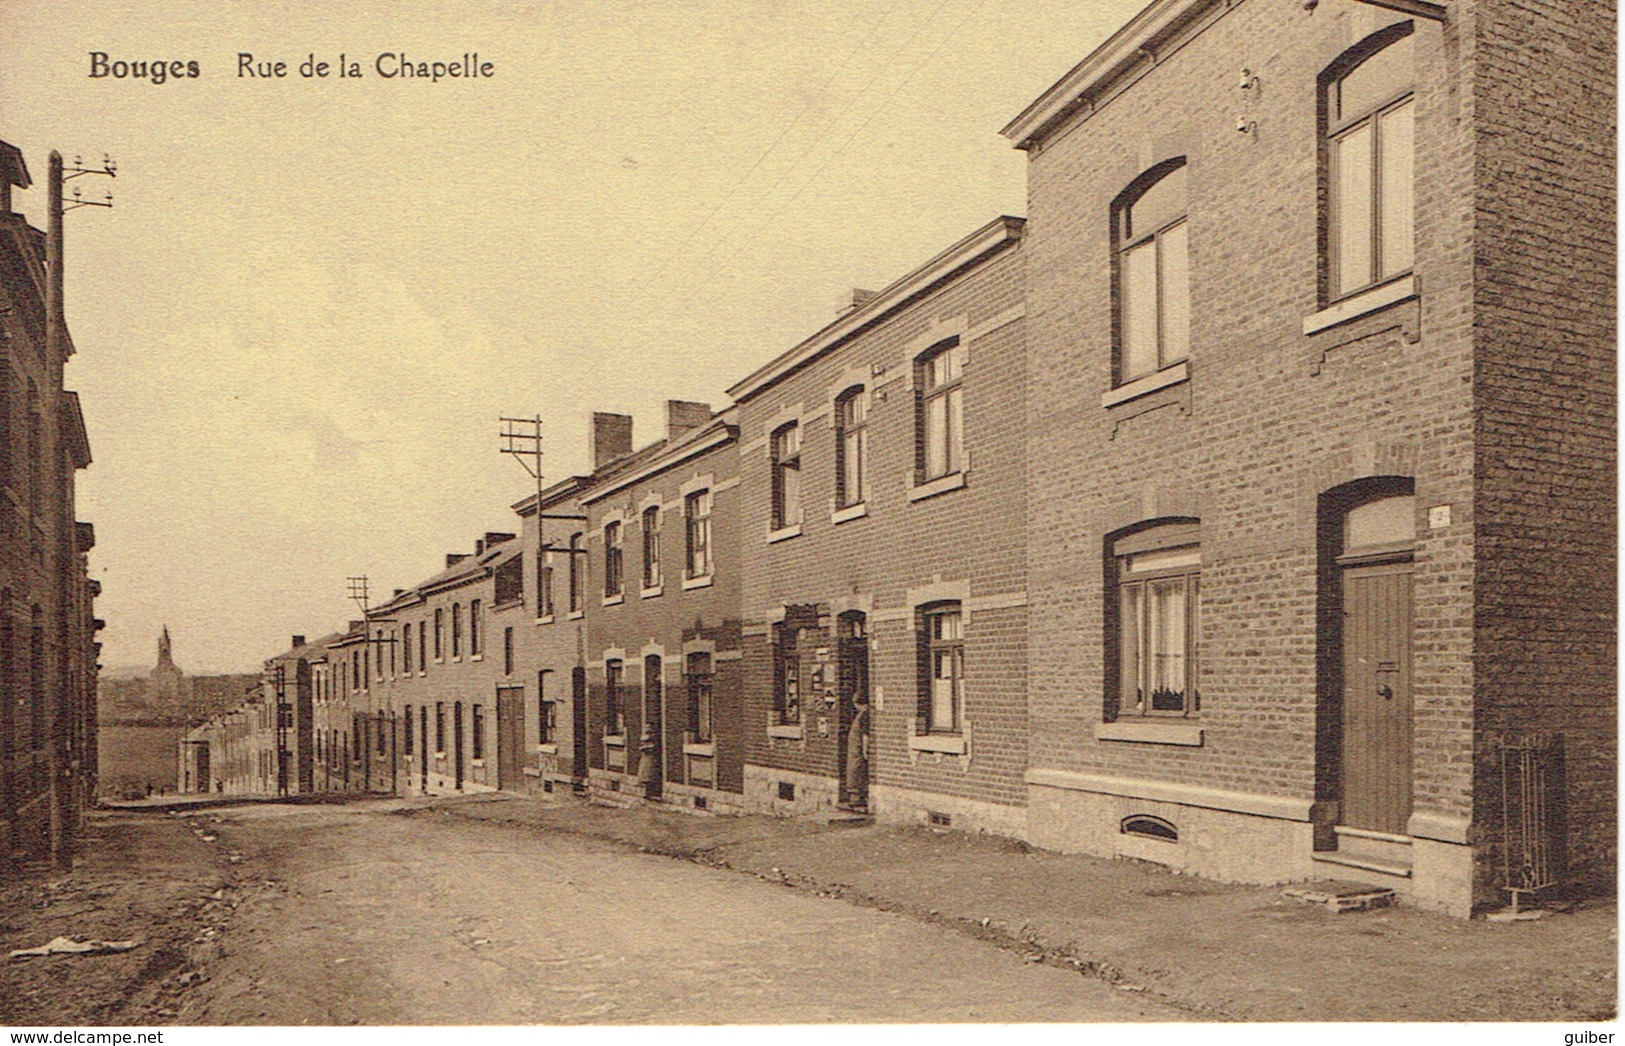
<point x="1150" y="827"/>
<point x="787" y="791"/>
<point x="699" y="802"/>
<point x="939" y="820"/>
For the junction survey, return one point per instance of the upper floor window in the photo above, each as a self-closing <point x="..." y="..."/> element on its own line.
<point x="578" y="567"/>
<point x="787" y="476"/>
<point x="651" y="546"/>
<point x="613" y="581"/>
<point x="423" y="632"/>
<point x="1153" y="273"/>
<point x="406" y="647"/>
<point x="1370" y="150"/>
<point x="1157" y="577"/>
<point x="507" y="651"/>
<point x="940" y="373"/>
<point x="697" y="517"/>
<point x="544" y="585"/>
<point x="851" y="447"/>
<point x="456" y="630"/>
<point x="476" y="643"/>
<point x="439" y="632"/>
<point x="943" y="646"/>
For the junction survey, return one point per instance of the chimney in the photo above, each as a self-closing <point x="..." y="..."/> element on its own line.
<point x="454" y="558"/>
<point x="356" y="625"/>
<point x="855" y="300"/>
<point x="298" y="641"/>
<point x="493" y="538"/>
<point x="683" y="417"/>
<point x="397" y="594"/>
<point x="611" y="437"/>
<point x="479" y="546"/>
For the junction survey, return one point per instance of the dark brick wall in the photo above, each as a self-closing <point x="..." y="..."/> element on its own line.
<point x="1545" y="421"/>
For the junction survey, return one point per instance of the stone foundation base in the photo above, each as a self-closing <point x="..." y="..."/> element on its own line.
<point x="892" y="805"/>
<point x="698" y="799"/>
<point x="446" y="784"/>
<point x="1263" y="845"/>
<point x="810" y="794"/>
<point x="1232" y="836"/>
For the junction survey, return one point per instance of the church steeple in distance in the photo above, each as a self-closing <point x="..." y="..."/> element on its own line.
<point x="164" y="656"/>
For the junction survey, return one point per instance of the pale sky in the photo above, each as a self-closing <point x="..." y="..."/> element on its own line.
<point x="313" y="297"/>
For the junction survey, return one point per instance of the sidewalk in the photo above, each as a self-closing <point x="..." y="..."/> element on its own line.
<point x="1215" y="951"/>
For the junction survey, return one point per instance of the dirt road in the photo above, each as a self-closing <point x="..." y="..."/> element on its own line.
<point x="379" y="914"/>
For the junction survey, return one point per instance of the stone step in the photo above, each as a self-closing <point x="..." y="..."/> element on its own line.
<point x="1342" y="895"/>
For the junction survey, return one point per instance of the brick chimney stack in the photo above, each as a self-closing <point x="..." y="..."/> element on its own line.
<point x="683" y="417"/>
<point x="611" y="437"/>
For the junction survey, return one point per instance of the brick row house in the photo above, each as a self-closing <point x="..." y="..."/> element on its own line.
<point x="660" y="596"/>
<point x="1249" y="508"/>
<point x="885" y="607"/>
<point x="48" y="647"/>
<point x="1321" y="540"/>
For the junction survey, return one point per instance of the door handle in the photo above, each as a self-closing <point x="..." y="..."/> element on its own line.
<point x="1385" y="692"/>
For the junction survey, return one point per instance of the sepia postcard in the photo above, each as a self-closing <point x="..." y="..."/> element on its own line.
<point x="1069" y="514"/>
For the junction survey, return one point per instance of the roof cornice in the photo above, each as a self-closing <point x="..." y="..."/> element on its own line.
<point x="993" y="237"/>
<point x="1135" y="42"/>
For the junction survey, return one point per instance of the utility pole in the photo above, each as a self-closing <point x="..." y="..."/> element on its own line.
<point x="63" y="765"/>
<point x="358" y="593"/>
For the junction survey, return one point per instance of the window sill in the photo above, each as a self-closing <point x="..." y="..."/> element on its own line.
<point x="509" y="605"/>
<point x="790" y="731"/>
<point x="546" y="619"/>
<point x="476" y="762"/>
<point x="940" y="485"/>
<point x="476" y="657"/>
<point x="1150" y="732"/>
<point x="575" y="615"/>
<point x="615" y="740"/>
<point x="784" y="533"/>
<point x="953" y="744"/>
<point x="1369" y="301"/>
<point x="548" y="748"/>
<point x="615" y="600"/>
<point x="440" y="756"/>
<point x="704" y="581"/>
<point x="707" y="748"/>
<point x="842" y="515"/>
<point x="531" y="771"/>
<point x="1150" y="383"/>
<point x="651" y="592"/>
<point x="422" y="673"/>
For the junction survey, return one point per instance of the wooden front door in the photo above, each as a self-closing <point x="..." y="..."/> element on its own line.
<point x="423" y="748"/>
<point x="457" y="744"/>
<point x="510" y="737"/>
<point x="654" y="723"/>
<point x="1377" y="697"/>
<point x="853" y="746"/>
<point x="578" y="727"/>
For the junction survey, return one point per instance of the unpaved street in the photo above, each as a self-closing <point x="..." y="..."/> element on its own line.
<point x="378" y="913"/>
